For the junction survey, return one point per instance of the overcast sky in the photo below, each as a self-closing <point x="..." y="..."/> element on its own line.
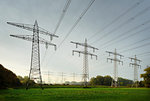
<point x="99" y="20"/>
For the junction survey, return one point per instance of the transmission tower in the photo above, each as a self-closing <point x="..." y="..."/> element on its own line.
<point x="48" y="73"/>
<point x="73" y="75"/>
<point x="35" y="72"/>
<point x="62" y="74"/>
<point x="85" y="75"/>
<point x="136" y="66"/>
<point x="115" y="59"/>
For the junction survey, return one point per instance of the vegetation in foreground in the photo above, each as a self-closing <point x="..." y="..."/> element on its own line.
<point x="146" y="77"/>
<point x="8" y="78"/>
<point x="71" y="92"/>
<point x="76" y="94"/>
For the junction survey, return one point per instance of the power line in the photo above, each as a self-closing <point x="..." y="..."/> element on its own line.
<point x="137" y="42"/>
<point x="129" y="36"/>
<point x="125" y="33"/>
<point x="62" y="15"/>
<point x="116" y="19"/>
<point x="143" y="53"/>
<point x="135" y="47"/>
<point x="121" y="25"/>
<point x="45" y="53"/>
<point x="75" y="24"/>
<point x="59" y="22"/>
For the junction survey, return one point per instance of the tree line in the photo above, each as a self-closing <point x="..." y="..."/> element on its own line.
<point x="8" y="79"/>
<point x="107" y="80"/>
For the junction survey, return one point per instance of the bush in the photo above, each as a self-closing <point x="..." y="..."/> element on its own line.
<point x="8" y="79"/>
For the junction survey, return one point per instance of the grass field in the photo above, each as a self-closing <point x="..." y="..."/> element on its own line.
<point x="76" y="94"/>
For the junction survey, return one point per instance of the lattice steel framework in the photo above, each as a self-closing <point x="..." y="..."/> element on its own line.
<point x="85" y="75"/>
<point x="115" y="59"/>
<point x="35" y="72"/>
<point x="136" y="66"/>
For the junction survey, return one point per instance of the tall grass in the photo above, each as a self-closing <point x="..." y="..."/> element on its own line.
<point x="76" y="94"/>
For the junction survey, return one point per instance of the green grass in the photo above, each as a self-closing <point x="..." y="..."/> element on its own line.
<point x="76" y="94"/>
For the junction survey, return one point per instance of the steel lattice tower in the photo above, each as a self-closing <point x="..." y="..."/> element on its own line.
<point x="85" y="65"/>
<point x="73" y="76"/>
<point x="115" y="59"/>
<point x="35" y="72"/>
<point x="136" y="66"/>
<point x="62" y="77"/>
<point x="85" y="75"/>
<point x="48" y="73"/>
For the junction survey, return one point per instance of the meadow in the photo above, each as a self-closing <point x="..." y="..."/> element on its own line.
<point x="76" y="94"/>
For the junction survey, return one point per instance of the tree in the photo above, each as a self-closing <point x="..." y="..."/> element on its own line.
<point x="141" y="84"/>
<point x="93" y="81"/>
<point x="107" y="80"/>
<point x="24" y="80"/>
<point x="20" y="78"/>
<point x="100" y="80"/>
<point x="146" y="77"/>
<point x="124" y="82"/>
<point x="8" y="78"/>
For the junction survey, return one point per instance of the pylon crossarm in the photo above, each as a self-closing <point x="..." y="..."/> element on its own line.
<point x="92" y="47"/>
<point x="83" y="44"/>
<point x="114" y="53"/>
<point x="77" y="43"/>
<point x="83" y="52"/>
<point x="31" y="28"/>
<point x="43" y="41"/>
<point x="109" y="52"/>
<point x="114" y="59"/>
<point x="47" y="43"/>
<point x="24" y="37"/>
<point x="23" y="26"/>
<point x="135" y="59"/>
<point x="92" y="55"/>
<point x="73" y="51"/>
<point x="135" y="64"/>
<point x="30" y="38"/>
<point x="45" y="32"/>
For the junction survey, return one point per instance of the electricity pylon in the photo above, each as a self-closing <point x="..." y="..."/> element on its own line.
<point x="136" y="66"/>
<point x="62" y="74"/>
<point x="85" y="75"/>
<point x="115" y="59"/>
<point x="48" y="73"/>
<point x="62" y="77"/>
<point x="73" y="75"/>
<point x="35" y="72"/>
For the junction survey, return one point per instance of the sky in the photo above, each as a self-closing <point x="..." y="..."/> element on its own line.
<point x="108" y="24"/>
